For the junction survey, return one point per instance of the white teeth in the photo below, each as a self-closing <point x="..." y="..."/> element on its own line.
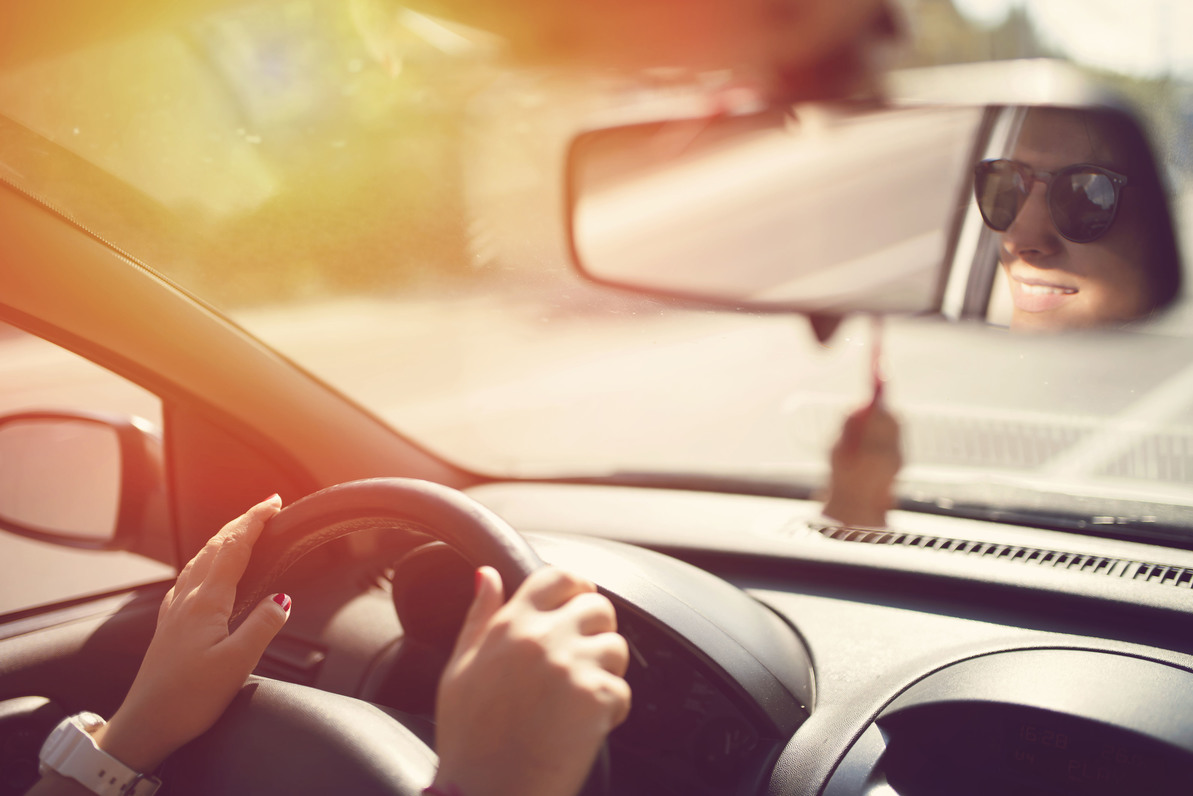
<point x="1046" y="290"/>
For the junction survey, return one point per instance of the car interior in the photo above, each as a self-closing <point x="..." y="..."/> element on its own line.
<point x="1026" y="631"/>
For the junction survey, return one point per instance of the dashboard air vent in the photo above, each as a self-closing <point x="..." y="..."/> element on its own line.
<point x="1162" y="574"/>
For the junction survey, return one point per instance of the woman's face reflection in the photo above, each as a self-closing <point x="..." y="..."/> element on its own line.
<point x="1056" y="283"/>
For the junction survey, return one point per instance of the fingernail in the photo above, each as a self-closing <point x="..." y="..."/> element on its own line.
<point x="274" y="498"/>
<point x="476" y="588"/>
<point x="282" y="600"/>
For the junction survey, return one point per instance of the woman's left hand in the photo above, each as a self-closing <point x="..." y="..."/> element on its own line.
<point x="194" y="666"/>
<point x="532" y="689"/>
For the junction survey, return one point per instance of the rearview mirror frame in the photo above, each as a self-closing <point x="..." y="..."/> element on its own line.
<point x="961" y="281"/>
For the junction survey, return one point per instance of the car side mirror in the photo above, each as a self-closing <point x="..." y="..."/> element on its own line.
<point x="79" y="479"/>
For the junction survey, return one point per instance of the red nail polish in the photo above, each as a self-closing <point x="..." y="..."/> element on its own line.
<point x="283" y="600"/>
<point x="476" y="587"/>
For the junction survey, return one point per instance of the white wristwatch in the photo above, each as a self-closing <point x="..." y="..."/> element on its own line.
<point x="71" y="751"/>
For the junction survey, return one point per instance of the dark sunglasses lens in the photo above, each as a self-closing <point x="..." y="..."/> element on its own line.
<point x="998" y="187"/>
<point x="1082" y="204"/>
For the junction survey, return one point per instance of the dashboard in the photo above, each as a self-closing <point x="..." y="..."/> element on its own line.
<point x="942" y="669"/>
<point x="1043" y="721"/>
<point x="771" y="654"/>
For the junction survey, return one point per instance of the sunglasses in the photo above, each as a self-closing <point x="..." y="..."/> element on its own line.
<point x="1082" y="199"/>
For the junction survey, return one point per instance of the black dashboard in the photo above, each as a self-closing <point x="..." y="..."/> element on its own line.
<point x="940" y="669"/>
<point x="719" y="680"/>
<point x="1039" y="721"/>
<point x="770" y="655"/>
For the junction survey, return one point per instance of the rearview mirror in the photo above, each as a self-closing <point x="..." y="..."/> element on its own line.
<point x="827" y="210"/>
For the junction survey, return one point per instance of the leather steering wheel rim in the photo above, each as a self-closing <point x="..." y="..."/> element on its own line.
<point x="405" y="505"/>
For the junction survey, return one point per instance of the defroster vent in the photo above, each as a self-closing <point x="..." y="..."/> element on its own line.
<point x="1162" y="574"/>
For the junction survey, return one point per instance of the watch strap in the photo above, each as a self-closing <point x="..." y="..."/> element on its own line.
<point x="71" y="751"/>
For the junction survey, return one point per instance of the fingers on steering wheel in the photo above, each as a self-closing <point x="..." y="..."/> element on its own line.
<point x="550" y="588"/>
<point x="592" y="613"/>
<point x="612" y="695"/>
<point x="618" y="692"/>
<point x="224" y="558"/>
<point x="610" y="652"/>
<point x="232" y="558"/>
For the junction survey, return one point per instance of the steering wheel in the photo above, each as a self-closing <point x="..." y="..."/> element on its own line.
<point x="405" y="505"/>
<point x="279" y="737"/>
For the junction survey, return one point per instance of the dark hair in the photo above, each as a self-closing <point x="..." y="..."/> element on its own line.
<point x="1131" y="151"/>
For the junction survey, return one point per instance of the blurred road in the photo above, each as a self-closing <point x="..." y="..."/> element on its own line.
<point x="547" y="381"/>
<point x="526" y="385"/>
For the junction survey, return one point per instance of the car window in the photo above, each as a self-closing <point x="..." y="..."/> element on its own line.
<point x="38" y="376"/>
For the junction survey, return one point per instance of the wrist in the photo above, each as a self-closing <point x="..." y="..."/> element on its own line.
<point x="71" y="760"/>
<point x="132" y="743"/>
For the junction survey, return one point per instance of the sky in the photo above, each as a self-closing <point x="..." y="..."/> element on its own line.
<point x="1144" y="38"/>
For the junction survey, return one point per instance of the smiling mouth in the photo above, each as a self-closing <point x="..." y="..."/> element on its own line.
<point x="1040" y="289"/>
<point x="1035" y="295"/>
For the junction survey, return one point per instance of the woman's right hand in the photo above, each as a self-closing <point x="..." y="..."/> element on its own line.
<point x="532" y="688"/>
<point x="194" y="666"/>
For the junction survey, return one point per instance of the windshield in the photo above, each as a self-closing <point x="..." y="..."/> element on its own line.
<point x="371" y="192"/>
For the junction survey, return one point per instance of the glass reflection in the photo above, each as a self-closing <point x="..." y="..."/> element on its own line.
<point x="1085" y="238"/>
<point x="60" y="476"/>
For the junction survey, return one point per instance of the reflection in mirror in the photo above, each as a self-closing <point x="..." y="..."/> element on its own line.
<point x="1084" y="233"/>
<point x="831" y="209"/>
<point x="60" y="476"/>
<point x="818" y="209"/>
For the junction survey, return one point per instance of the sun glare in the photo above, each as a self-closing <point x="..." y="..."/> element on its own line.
<point x="1143" y="38"/>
